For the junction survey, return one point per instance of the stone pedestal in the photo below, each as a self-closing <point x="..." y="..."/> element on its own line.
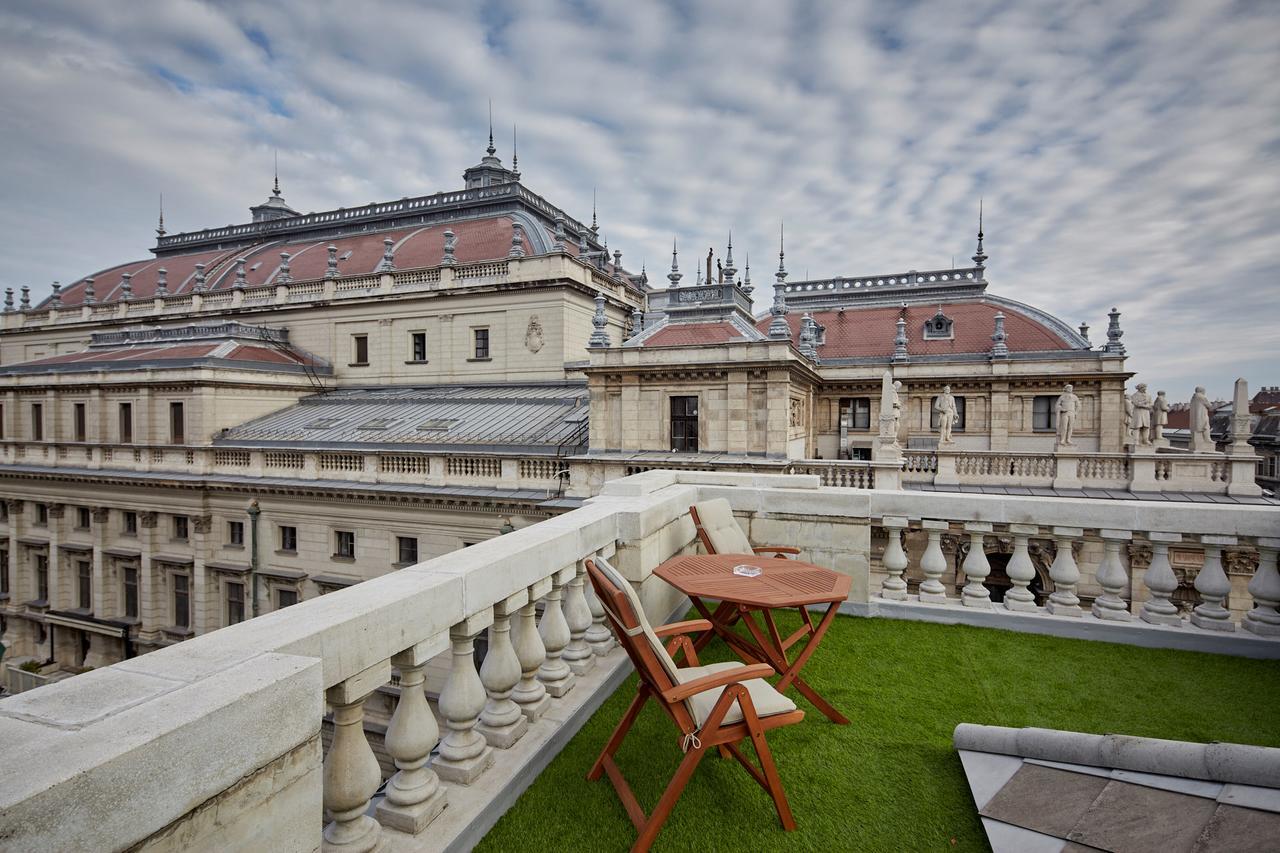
<point x="1066" y="468"/>
<point x="946" y="473"/>
<point x="1142" y="470"/>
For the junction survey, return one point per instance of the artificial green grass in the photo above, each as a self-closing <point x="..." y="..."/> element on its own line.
<point x="890" y="780"/>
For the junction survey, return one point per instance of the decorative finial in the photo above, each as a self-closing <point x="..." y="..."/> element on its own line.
<point x="491" y="150"/>
<point x="599" y="337"/>
<point x="675" y="275"/>
<point x="1114" y="334"/>
<point x="781" y="274"/>
<point x="980" y="257"/>
<point x="8" y="300"/>
<point x="275" y="188"/>
<point x="126" y="286"/>
<point x="199" y="284"/>
<point x="558" y="244"/>
<point x="582" y="245"/>
<point x="746" y="281"/>
<point x="617" y="261"/>
<point x="808" y="337"/>
<point x="56" y="302"/>
<point x="517" y="241"/>
<point x="999" y="349"/>
<point x="729" y="269"/>
<point x="89" y="297"/>
<point x="25" y="304"/>
<point x="595" y="226"/>
<point x="450" y="243"/>
<point x="284" y="274"/>
<point x="900" y="354"/>
<point x="388" y="263"/>
<point x="160" y="232"/>
<point x="515" y="154"/>
<point x="331" y="271"/>
<point x="1084" y="331"/>
<point x="240" y="281"/>
<point x="162" y="282"/>
<point x="637" y="321"/>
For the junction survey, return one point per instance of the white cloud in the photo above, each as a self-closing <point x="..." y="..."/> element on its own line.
<point x="1126" y="150"/>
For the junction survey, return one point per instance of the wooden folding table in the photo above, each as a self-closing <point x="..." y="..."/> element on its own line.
<point x="782" y="584"/>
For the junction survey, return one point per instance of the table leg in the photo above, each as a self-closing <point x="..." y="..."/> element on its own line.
<point x="725" y="615"/>
<point x="790" y="672"/>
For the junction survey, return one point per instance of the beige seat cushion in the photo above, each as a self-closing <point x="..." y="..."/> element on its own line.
<point x="767" y="700"/>
<point x="722" y="528"/>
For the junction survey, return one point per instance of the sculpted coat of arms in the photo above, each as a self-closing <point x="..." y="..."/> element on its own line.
<point x="533" y="339"/>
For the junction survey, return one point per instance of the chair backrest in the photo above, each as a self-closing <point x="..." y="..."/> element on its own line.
<point x="623" y="609"/>
<point x="718" y="529"/>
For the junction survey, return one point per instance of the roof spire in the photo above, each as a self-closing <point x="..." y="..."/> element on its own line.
<point x="746" y="281"/>
<point x="675" y="275"/>
<point x="595" y="227"/>
<point x="491" y="150"/>
<point x="980" y="257"/>
<point x="515" y="154"/>
<point x="160" y="228"/>
<point x="781" y="275"/>
<point x="275" y="188"/>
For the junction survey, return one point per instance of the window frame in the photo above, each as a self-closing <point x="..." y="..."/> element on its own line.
<point x="854" y="405"/>
<point x="485" y="352"/>
<point x="131" y="602"/>
<point x="401" y="543"/>
<point x="84" y="518"/>
<point x="344" y="544"/>
<point x="128" y="522"/>
<point x="359" y="349"/>
<point x="37" y="421"/>
<point x="281" y="592"/>
<point x="181" y="586"/>
<point x="181" y="528"/>
<point x="80" y="422"/>
<point x="681" y="441"/>
<point x="125" y="422"/>
<point x="42" y="576"/>
<point x="418" y="347"/>
<point x="230" y="603"/>
<point x="177" y="422"/>
<point x="289" y="546"/>
<point x="1051" y="412"/>
<point x="235" y="534"/>
<point x="84" y="584"/>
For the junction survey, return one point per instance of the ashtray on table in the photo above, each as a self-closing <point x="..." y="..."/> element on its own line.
<point x="748" y="571"/>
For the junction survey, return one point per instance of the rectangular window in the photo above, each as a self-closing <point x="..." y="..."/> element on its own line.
<point x="958" y="426"/>
<point x="42" y="577"/>
<point x="84" y="577"/>
<point x="42" y="515"/>
<point x="235" y="533"/>
<point x="684" y="424"/>
<point x="482" y="343"/>
<point x="1" y="420"/>
<point x="419" y="340"/>
<point x="84" y="518"/>
<point x="1044" y="415"/>
<point x="177" y="424"/>
<point x="288" y="538"/>
<point x="130" y="523"/>
<point x="235" y="603"/>
<point x="344" y="543"/>
<point x="407" y="549"/>
<point x="286" y="598"/>
<point x="37" y="422"/>
<point x="181" y="529"/>
<point x="4" y="573"/>
<point x="359" y="349"/>
<point x="131" y="593"/>
<point x="182" y="601"/>
<point x="859" y="411"/>
<point x="126" y="423"/>
<point x="79" y="421"/>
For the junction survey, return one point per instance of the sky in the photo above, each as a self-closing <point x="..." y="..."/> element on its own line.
<point x="1126" y="151"/>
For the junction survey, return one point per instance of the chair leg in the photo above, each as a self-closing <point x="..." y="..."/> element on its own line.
<point x="663" y="809"/>
<point x="775" y="782"/>
<point x="620" y="732"/>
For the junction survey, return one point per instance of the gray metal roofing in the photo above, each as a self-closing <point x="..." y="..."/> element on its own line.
<point x="494" y="417"/>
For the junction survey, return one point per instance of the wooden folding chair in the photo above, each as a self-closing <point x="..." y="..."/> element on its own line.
<point x="712" y="706"/>
<point x="720" y="533"/>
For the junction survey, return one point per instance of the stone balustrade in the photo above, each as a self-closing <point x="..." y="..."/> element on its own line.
<point x="245" y="705"/>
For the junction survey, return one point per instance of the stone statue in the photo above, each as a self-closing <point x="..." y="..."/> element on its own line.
<point x="1128" y="420"/>
<point x="1160" y="409"/>
<point x="710" y="252"/>
<point x="1201" y="441"/>
<point x="945" y="406"/>
<point x="897" y="410"/>
<point x="1141" y="403"/>
<point x="1068" y="407"/>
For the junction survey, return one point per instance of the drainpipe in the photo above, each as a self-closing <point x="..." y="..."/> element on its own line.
<point x="254" y="512"/>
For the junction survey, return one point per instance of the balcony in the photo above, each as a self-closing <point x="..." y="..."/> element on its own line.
<point x="218" y="741"/>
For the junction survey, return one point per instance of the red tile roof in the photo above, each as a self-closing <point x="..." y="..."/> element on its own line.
<point x="869" y="332"/>
<point x="692" y="334"/>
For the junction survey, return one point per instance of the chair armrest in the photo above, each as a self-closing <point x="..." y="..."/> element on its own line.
<point x="776" y="549"/>
<point x="686" y="627"/>
<point x="746" y="672"/>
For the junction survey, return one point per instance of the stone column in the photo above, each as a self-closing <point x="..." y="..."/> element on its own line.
<point x="101" y="520"/>
<point x="554" y="673"/>
<point x="577" y="616"/>
<point x="1020" y="570"/>
<point x="464" y="754"/>
<point x="351" y="772"/>
<point x="1161" y="582"/>
<point x="933" y="563"/>
<point x="976" y="567"/>
<point x="57" y="598"/>
<point x="15" y="508"/>
<point x="1264" y="586"/>
<point x="598" y="636"/>
<point x="1065" y="574"/>
<point x="530" y="694"/>
<point x="148" y="610"/>
<point x="894" y="560"/>
<point x="501" y="722"/>
<point x="201" y="526"/>
<point x="1112" y="578"/>
<point x="1214" y="587"/>
<point x="414" y="794"/>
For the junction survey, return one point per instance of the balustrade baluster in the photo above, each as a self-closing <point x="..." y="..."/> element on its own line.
<point x="894" y="560"/>
<point x="1020" y="570"/>
<point x="1264" y="586"/>
<point x="1161" y="582"/>
<point x="464" y="753"/>
<point x="530" y="694"/>
<point x="976" y="567"/>
<point x="1112" y="578"/>
<point x="577" y="616"/>
<point x="501" y="722"/>
<point x="1214" y="587"/>
<point x="351" y="772"/>
<point x="415" y="796"/>
<point x="554" y="673"/>
<point x="1065" y="574"/>
<point x="933" y="563"/>
<point x="598" y="636"/>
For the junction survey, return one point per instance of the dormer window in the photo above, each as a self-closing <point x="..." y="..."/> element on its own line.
<point x="939" y="327"/>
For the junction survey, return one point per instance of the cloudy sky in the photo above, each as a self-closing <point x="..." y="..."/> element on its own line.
<point x="1127" y="151"/>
